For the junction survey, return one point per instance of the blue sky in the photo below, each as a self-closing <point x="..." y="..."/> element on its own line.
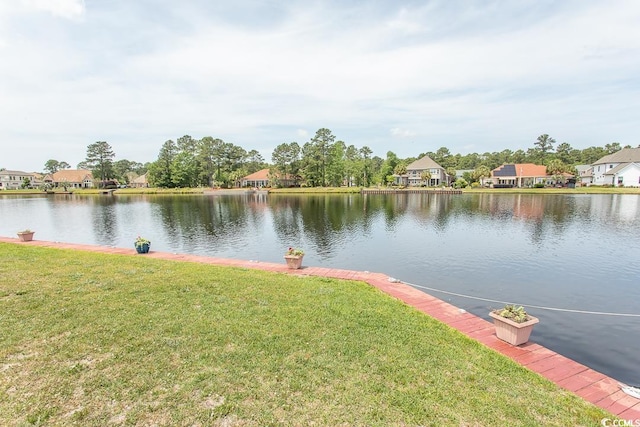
<point x="410" y="77"/>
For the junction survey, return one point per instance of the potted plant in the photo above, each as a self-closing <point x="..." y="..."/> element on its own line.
<point x="513" y="324"/>
<point x="294" y="258"/>
<point x="26" y="235"/>
<point x="142" y="245"/>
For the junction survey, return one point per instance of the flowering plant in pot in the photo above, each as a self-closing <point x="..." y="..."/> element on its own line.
<point x="513" y="324"/>
<point x="142" y="245"/>
<point x="294" y="256"/>
<point x="25" y="235"/>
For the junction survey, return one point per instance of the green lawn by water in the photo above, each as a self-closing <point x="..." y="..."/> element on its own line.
<point x="94" y="339"/>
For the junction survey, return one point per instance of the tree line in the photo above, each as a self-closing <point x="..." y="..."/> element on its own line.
<point x="322" y="161"/>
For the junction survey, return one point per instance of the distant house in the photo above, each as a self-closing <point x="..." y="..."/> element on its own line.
<point x="13" y="180"/>
<point x="140" y="182"/>
<point x="415" y="170"/>
<point x="621" y="168"/>
<point x="585" y="174"/>
<point x="519" y="175"/>
<point x="256" y="179"/>
<point x="37" y="180"/>
<point x="70" y="178"/>
<point x="460" y="172"/>
<point x="264" y="178"/>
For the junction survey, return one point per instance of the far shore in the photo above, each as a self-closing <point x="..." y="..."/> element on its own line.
<point x="320" y="190"/>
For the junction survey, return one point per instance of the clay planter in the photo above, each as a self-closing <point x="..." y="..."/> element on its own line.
<point x="294" y="262"/>
<point x="26" y="236"/>
<point x="512" y="332"/>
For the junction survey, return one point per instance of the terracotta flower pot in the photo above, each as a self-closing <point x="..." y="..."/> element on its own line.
<point x="294" y="262"/>
<point x="512" y="332"/>
<point x="26" y="236"/>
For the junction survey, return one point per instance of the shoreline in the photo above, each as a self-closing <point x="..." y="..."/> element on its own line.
<point x="592" y="386"/>
<point x="329" y="190"/>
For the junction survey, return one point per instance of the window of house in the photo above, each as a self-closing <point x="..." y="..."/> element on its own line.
<point x="610" y="166"/>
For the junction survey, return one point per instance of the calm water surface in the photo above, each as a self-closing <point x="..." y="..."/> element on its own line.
<point x="578" y="252"/>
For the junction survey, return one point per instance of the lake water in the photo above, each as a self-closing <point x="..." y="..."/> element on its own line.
<point x="577" y="252"/>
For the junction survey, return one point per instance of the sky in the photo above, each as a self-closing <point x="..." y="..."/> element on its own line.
<point x="402" y="76"/>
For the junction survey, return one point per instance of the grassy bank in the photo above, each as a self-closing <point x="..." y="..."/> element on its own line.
<point x="95" y="339"/>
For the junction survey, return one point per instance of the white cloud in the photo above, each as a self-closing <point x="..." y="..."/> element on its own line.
<point x="69" y="9"/>
<point x="405" y="22"/>
<point x="402" y="133"/>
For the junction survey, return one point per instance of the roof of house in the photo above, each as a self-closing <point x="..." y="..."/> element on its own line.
<point x="261" y="175"/>
<point x="10" y="172"/>
<point x="620" y="167"/>
<point x="583" y="168"/>
<point x="520" y="170"/>
<point x="142" y="179"/>
<point x="504" y="170"/>
<point x="626" y="155"/>
<point x="529" y="169"/>
<point x="71" y="175"/>
<point x="424" y="163"/>
<point x="264" y="175"/>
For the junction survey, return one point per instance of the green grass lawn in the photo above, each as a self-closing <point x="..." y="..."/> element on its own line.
<point x="94" y="339"/>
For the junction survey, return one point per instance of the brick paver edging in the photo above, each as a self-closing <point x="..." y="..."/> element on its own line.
<point x="591" y="385"/>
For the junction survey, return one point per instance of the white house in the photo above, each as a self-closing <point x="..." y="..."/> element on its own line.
<point x="413" y="177"/>
<point x="621" y="168"/>
<point x="585" y="174"/>
<point x="12" y="180"/>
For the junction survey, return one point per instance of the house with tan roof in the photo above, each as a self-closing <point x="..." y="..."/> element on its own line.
<point x="139" y="182"/>
<point x="71" y="178"/>
<point x="13" y="180"/>
<point x="519" y="175"/>
<point x="415" y="170"/>
<point x="265" y="178"/>
<point x="621" y="168"/>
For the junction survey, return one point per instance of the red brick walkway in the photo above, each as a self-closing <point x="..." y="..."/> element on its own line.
<point x="591" y="385"/>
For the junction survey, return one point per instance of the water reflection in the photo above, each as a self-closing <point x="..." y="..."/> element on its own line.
<point x="104" y="218"/>
<point x="575" y="251"/>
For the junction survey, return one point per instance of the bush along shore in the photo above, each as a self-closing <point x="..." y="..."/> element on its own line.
<point x="97" y="339"/>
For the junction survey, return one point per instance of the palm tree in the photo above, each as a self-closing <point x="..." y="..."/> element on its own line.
<point x="481" y="171"/>
<point x="400" y="169"/>
<point x="426" y="176"/>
